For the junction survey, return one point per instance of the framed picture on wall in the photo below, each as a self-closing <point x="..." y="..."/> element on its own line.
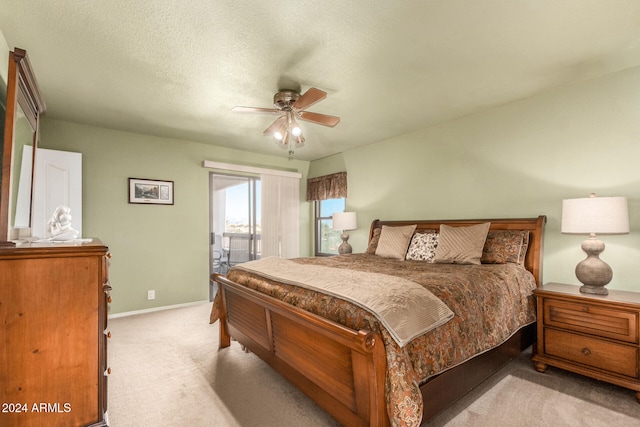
<point x="150" y="191"/>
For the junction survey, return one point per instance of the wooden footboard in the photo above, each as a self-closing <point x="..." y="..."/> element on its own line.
<point x="342" y="370"/>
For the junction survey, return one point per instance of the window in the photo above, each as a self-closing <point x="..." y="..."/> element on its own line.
<point x="327" y="239"/>
<point x="329" y="194"/>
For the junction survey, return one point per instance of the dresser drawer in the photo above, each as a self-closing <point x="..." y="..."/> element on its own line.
<point x="593" y="320"/>
<point x="619" y="358"/>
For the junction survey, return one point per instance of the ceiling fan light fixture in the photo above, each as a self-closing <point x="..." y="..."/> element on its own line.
<point x="291" y="106"/>
<point x="281" y="131"/>
<point x="294" y="128"/>
<point x="285" y="138"/>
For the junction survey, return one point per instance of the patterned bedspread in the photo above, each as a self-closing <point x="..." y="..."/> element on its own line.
<point x="490" y="302"/>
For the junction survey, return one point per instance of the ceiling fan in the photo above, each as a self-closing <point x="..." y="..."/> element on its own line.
<point x="292" y="106"/>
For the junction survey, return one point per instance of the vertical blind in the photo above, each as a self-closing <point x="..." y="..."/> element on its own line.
<point x="280" y="216"/>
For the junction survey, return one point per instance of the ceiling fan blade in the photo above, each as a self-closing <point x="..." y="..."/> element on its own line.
<point x="309" y="98"/>
<point x="255" y="110"/>
<point x="275" y="126"/>
<point x="321" y="119"/>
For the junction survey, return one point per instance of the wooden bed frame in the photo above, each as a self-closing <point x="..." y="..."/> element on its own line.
<point x="343" y="370"/>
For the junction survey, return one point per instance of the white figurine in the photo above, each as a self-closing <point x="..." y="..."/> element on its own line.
<point x="60" y="225"/>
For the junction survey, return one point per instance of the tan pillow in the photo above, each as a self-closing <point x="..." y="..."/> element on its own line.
<point x="373" y="243"/>
<point x="394" y="241"/>
<point x="461" y="245"/>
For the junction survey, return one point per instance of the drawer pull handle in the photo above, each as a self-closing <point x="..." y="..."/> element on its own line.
<point x="107" y="372"/>
<point x="107" y="333"/>
<point x="586" y="351"/>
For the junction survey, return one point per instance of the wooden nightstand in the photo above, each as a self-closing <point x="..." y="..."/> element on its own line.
<point x="593" y="335"/>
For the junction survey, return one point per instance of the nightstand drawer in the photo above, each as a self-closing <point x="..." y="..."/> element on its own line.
<point x="619" y="358"/>
<point x="616" y="324"/>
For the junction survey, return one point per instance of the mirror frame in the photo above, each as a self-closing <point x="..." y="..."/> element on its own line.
<point x="22" y="90"/>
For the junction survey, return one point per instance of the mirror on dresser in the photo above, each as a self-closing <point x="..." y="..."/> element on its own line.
<point x="23" y="109"/>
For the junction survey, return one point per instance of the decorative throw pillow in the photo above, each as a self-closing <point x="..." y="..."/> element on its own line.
<point x="373" y="243"/>
<point x="523" y="248"/>
<point x="461" y="245"/>
<point x="394" y="241"/>
<point x="505" y="246"/>
<point x="423" y="247"/>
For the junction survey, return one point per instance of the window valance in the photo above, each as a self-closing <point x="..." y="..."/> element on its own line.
<point x="332" y="186"/>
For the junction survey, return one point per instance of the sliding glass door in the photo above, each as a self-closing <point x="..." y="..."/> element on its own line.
<point x="234" y="220"/>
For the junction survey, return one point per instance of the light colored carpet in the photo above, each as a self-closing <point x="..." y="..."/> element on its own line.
<point x="167" y="371"/>
<point x="520" y="396"/>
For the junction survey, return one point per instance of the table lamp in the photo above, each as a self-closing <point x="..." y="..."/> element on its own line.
<point x="344" y="221"/>
<point x="594" y="215"/>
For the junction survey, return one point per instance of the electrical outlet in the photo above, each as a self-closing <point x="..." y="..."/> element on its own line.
<point x="151" y="294"/>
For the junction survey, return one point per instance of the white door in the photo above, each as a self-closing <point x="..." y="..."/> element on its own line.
<point x="57" y="182"/>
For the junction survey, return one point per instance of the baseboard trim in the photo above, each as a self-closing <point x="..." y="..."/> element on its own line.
<point x="151" y="310"/>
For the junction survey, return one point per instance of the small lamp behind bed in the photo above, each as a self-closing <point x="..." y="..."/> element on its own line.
<point x="594" y="215"/>
<point x="344" y="221"/>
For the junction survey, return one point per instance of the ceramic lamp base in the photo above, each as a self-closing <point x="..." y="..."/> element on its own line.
<point x="345" y="247"/>
<point x="592" y="272"/>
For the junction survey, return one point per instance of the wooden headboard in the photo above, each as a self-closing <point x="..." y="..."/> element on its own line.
<point x="535" y="226"/>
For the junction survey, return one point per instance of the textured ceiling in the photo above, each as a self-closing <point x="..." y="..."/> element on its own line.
<point x="175" y="69"/>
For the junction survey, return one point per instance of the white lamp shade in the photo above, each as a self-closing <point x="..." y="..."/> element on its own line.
<point x="597" y="215"/>
<point x="344" y="221"/>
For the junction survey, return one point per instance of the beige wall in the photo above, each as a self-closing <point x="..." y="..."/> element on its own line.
<point x="165" y="248"/>
<point x="520" y="159"/>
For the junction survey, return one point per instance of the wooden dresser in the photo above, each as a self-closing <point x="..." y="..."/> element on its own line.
<point x="593" y="335"/>
<point x="53" y="342"/>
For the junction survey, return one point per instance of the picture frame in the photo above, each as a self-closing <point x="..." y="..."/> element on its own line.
<point x="150" y="191"/>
